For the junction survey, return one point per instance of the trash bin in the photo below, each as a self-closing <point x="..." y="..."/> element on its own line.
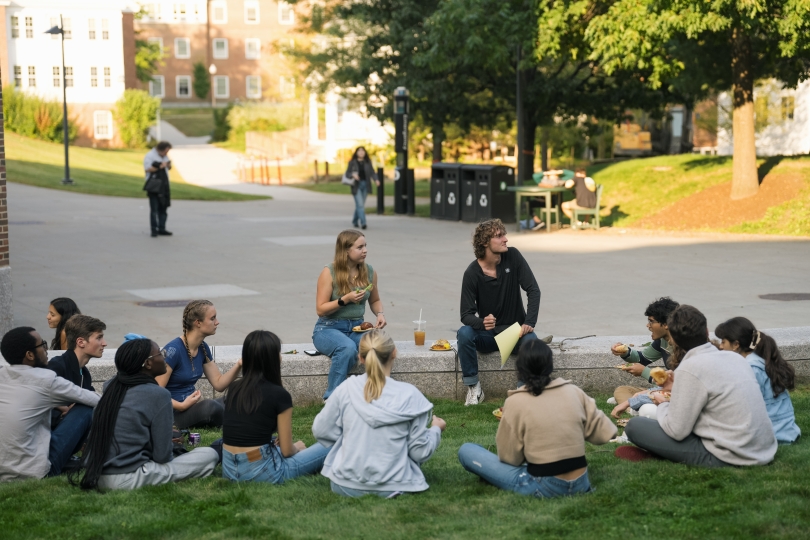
<point x="484" y="194"/>
<point x="444" y="191"/>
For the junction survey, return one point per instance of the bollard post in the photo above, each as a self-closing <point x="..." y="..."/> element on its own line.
<point x="316" y="171"/>
<point x="381" y="192"/>
<point x="278" y="164"/>
<point x="252" y="170"/>
<point x="266" y="170"/>
<point x="327" y="171"/>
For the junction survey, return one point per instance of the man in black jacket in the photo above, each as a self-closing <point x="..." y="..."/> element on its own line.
<point x="156" y="165"/>
<point x="85" y="338"/>
<point x="491" y="301"/>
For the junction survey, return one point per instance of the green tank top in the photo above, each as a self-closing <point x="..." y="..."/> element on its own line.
<point x="349" y="311"/>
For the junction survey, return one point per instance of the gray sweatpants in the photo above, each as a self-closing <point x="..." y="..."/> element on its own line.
<point x="646" y="433"/>
<point x="198" y="463"/>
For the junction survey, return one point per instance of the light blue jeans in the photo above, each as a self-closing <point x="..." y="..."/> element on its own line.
<point x="273" y="467"/>
<point x="480" y="461"/>
<point x="471" y="340"/>
<point x="359" y="217"/>
<point x="350" y="492"/>
<point x="335" y="339"/>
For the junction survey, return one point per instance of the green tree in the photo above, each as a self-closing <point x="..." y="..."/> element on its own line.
<point x="135" y="113"/>
<point x="746" y="39"/>
<point x="202" y="82"/>
<point x="148" y="59"/>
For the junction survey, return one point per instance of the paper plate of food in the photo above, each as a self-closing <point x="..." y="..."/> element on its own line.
<point x="622" y="422"/>
<point x="441" y="345"/>
<point x="498" y="413"/>
<point x="365" y="327"/>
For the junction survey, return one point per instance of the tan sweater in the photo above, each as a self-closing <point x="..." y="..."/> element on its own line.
<point x="550" y="427"/>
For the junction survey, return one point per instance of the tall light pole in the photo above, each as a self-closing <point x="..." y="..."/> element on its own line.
<point x="61" y="31"/>
<point x="212" y="69"/>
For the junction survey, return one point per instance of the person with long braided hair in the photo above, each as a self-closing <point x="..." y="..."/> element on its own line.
<point x="542" y="434"/>
<point x="256" y="407"/>
<point x="130" y="443"/>
<point x="774" y="374"/>
<point x="377" y="428"/>
<point x="187" y="358"/>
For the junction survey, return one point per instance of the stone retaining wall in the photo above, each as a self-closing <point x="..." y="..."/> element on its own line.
<point x="588" y="362"/>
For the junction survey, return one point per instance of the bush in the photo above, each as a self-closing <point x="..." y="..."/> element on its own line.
<point x="135" y="113"/>
<point x="32" y="116"/>
<point x="202" y="82"/>
<point x="263" y="117"/>
<point x="221" y="125"/>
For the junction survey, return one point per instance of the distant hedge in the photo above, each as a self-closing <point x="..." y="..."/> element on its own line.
<point x="32" y="116"/>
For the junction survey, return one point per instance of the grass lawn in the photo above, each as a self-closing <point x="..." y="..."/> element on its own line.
<point x="422" y="188"/>
<point x="651" y="499"/>
<point x="191" y="122"/>
<point x="115" y="173"/>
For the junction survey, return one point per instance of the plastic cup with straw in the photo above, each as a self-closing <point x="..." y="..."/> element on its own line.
<point x="419" y="330"/>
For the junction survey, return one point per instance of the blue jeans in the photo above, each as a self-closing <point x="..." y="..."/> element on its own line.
<point x="69" y="436"/>
<point x="335" y="339"/>
<point x="471" y="340"/>
<point x="482" y="462"/>
<point x="273" y="467"/>
<point x="351" y="492"/>
<point x="359" y="217"/>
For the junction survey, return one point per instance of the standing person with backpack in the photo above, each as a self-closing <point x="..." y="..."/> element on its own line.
<point x="361" y="171"/>
<point x="156" y="165"/>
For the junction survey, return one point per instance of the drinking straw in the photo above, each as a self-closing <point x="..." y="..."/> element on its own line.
<point x="420" y="319"/>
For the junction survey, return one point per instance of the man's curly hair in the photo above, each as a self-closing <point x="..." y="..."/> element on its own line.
<point x="484" y="233"/>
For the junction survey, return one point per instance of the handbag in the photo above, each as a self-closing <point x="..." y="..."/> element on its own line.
<point x="152" y="184"/>
<point x="347" y="180"/>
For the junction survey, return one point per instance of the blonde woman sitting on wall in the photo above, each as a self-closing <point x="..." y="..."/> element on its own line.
<point x="377" y="428"/>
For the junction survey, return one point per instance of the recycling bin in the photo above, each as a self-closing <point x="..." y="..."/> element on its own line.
<point x="484" y="193"/>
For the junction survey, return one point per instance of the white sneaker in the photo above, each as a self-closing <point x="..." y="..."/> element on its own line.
<point x="611" y="401"/>
<point x="475" y="395"/>
<point x="632" y="412"/>
<point x="539" y="226"/>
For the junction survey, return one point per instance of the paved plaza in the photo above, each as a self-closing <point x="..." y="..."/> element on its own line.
<point x="259" y="261"/>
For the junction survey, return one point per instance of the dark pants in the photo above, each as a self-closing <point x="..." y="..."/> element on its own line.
<point x="157" y="213"/>
<point x="204" y="413"/>
<point x="69" y="436"/>
<point x="470" y="341"/>
<point x="647" y="434"/>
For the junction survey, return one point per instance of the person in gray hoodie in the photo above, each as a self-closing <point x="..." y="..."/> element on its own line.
<point x="377" y="428"/>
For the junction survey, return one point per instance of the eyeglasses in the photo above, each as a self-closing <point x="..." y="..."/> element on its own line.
<point x="161" y="353"/>
<point x="44" y="346"/>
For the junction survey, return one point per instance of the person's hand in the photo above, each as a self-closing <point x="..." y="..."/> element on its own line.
<point x="354" y="297"/>
<point x="619" y="409"/>
<point x="659" y="397"/>
<point x="615" y="352"/>
<point x="239" y="362"/>
<point x="299" y="445"/>
<point x="163" y="165"/>
<point x="439" y="423"/>
<point x="381" y="321"/>
<point x="378" y="183"/>
<point x="635" y="370"/>
<point x="489" y="322"/>
<point x="191" y="399"/>
<point x="355" y="176"/>
<point x="525" y="329"/>
<point x="64" y="409"/>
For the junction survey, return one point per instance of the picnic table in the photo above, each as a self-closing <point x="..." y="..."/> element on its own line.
<point x="539" y="190"/>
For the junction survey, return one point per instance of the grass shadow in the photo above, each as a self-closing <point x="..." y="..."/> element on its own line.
<point x="610" y="219"/>
<point x="706" y="162"/>
<point x="767" y="166"/>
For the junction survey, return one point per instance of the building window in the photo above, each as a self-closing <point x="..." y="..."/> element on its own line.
<point x="219" y="12"/>
<point x="15" y="27"/>
<point x="182" y="48"/>
<point x="788" y="103"/>
<point x="156" y="88"/>
<point x="57" y="79"/>
<point x="252" y="49"/>
<point x="221" y="48"/>
<point x="93" y="77"/>
<point x="91" y="28"/>
<point x="102" y="124"/>
<point x="251" y="12"/>
<point x="67" y="28"/>
<point x="32" y="76"/>
<point x="222" y="86"/>
<point x="286" y="15"/>
<point x="29" y="27"/>
<point x="183" y="86"/>
<point x="68" y="76"/>
<point x="253" y="86"/>
<point x="107" y="77"/>
<point x="18" y="76"/>
<point x="105" y="29"/>
<point x="286" y="87"/>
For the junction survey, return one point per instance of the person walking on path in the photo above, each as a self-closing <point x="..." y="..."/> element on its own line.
<point x="344" y="287"/>
<point x="362" y="172"/>
<point x="491" y="301"/>
<point x="157" y="164"/>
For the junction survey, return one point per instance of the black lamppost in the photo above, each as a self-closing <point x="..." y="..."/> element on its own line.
<point x="403" y="176"/>
<point x="61" y="31"/>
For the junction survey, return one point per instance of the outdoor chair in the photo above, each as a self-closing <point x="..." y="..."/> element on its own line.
<point x="588" y="212"/>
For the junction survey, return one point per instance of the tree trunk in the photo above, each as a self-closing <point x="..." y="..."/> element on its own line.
<point x="544" y="148"/>
<point x="438" y="139"/>
<point x="526" y="158"/>
<point x="744" y="179"/>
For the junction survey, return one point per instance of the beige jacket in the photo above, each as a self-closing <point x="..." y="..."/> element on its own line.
<point x="550" y="427"/>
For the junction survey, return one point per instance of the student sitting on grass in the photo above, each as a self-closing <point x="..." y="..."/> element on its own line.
<point x="542" y="434"/>
<point x="256" y="407"/>
<point x="130" y="445"/>
<point x="774" y="375"/>
<point x="85" y="340"/>
<point x="644" y="402"/>
<point x="28" y="393"/>
<point x="377" y="428"/>
<point x="716" y="416"/>
<point x="659" y="349"/>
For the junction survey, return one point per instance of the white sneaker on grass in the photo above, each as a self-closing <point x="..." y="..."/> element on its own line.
<point x="611" y="401"/>
<point x="475" y="395"/>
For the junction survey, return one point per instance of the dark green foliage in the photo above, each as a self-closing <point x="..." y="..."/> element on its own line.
<point x="148" y="59"/>
<point x="201" y="81"/>
<point x="33" y="116"/>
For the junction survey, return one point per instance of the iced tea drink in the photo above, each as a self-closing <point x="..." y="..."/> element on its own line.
<point x="419" y="332"/>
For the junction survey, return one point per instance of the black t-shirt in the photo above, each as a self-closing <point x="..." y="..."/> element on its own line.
<point x="257" y="428"/>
